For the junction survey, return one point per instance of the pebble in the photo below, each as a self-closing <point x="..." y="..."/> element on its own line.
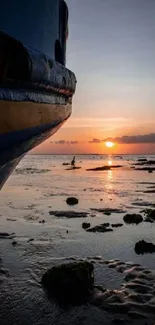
<point x="31" y="239"/>
<point x="42" y="221"/>
<point x="14" y="243"/>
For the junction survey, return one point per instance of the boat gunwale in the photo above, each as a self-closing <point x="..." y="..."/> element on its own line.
<point x="35" y="87"/>
<point x="32" y="69"/>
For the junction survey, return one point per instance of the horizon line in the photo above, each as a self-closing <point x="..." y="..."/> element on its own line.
<point x="91" y="154"/>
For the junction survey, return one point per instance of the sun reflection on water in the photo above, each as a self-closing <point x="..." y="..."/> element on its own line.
<point x="110" y="175"/>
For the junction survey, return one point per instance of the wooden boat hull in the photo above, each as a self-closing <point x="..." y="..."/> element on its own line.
<point x="36" y="88"/>
<point x="21" y="134"/>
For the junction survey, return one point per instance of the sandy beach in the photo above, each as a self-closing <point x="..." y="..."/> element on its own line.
<point x="38" y="229"/>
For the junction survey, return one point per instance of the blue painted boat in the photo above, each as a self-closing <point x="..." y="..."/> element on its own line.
<point x="36" y="88"/>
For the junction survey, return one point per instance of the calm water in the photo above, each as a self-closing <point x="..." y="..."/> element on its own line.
<point x="41" y="184"/>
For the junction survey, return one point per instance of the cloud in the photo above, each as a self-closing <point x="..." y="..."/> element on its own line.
<point x="95" y="141"/>
<point x="62" y="142"/>
<point x="125" y="139"/>
<point x="72" y="142"/>
<point x="133" y="139"/>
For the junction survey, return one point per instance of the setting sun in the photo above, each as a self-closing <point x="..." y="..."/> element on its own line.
<point x="109" y="144"/>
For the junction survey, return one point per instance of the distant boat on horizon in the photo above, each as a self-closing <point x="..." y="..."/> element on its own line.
<point x="36" y="88"/>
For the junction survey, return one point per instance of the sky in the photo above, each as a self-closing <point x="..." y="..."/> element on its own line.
<point x="111" y="50"/>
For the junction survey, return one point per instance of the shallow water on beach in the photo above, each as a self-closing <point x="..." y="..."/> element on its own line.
<point x="41" y="184"/>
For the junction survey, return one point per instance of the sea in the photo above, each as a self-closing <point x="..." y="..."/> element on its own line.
<point x="40" y="237"/>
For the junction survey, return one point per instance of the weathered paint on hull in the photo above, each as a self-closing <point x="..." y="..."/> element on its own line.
<point x="16" y="116"/>
<point x="14" y="145"/>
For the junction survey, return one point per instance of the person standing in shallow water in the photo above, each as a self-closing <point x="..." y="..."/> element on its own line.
<point x="73" y="162"/>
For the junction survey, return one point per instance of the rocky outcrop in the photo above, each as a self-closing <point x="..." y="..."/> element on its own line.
<point x="116" y="225"/>
<point x="134" y="301"/>
<point x="106" y="224"/>
<point x="142" y="160"/>
<point x="143" y="247"/>
<point x="70" y="282"/>
<point x="147" y="219"/>
<point x="5" y="235"/>
<point x="150" y="170"/>
<point x="102" y="168"/>
<point x="133" y="218"/>
<point x="69" y="214"/>
<point x="86" y="225"/>
<point x="72" y="201"/>
<point x="100" y="228"/>
<point x="108" y="210"/>
<point x="151" y="215"/>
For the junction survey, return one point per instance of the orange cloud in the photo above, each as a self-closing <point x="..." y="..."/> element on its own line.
<point x="133" y="139"/>
<point x="66" y="142"/>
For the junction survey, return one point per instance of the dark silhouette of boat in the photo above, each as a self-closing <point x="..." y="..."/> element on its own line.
<point x="36" y="88"/>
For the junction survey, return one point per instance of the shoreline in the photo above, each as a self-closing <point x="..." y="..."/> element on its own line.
<point x="47" y="231"/>
<point x="128" y="298"/>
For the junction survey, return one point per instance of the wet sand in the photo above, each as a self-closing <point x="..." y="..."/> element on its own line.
<point x="124" y="292"/>
<point x="44" y="231"/>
